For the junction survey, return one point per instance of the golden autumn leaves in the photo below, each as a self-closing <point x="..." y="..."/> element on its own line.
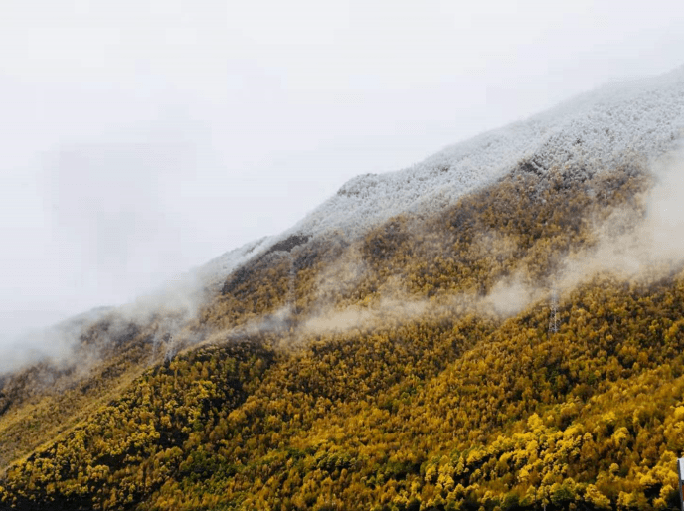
<point x="446" y="409"/>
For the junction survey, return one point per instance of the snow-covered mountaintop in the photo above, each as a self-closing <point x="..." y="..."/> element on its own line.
<point x="592" y="132"/>
<point x="595" y="130"/>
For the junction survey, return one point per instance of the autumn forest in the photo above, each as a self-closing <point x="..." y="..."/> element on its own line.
<point x="439" y="362"/>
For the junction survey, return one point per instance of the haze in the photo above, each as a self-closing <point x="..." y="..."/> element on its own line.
<point x="139" y="139"/>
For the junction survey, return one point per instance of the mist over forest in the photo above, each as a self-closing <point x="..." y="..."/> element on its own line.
<point x="343" y="256"/>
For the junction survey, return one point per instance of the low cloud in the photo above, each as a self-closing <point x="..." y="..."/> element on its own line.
<point x="387" y="311"/>
<point x="642" y="241"/>
<point x="62" y="345"/>
<point x="639" y="243"/>
<point x="509" y="297"/>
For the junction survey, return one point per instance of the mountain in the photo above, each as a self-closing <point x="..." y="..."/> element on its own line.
<point x="498" y="327"/>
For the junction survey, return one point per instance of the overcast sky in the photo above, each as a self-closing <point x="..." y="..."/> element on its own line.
<point x="141" y="138"/>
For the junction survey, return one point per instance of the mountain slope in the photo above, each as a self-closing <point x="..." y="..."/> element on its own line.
<point x="428" y="349"/>
<point x="595" y="131"/>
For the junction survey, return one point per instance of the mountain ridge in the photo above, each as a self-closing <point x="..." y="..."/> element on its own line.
<point x="407" y="362"/>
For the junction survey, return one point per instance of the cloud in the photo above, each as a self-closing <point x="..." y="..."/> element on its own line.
<point x="165" y="312"/>
<point x="643" y="240"/>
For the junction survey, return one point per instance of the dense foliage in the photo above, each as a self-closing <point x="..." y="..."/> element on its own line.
<point x="442" y="405"/>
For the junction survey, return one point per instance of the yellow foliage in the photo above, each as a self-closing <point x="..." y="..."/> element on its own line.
<point x="436" y="406"/>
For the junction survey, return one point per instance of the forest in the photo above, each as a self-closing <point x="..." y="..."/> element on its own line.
<point x="410" y="369"/>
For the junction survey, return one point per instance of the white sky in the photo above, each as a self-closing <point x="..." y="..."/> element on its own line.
<point x="140" y="138"/>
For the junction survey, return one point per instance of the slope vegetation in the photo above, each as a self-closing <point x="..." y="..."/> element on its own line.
<point x="410" y="369"/>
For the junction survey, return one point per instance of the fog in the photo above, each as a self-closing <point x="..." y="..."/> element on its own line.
<point x="140" y="139"/>
<point x="640" y="242"/>
<point x="638" y="245"/>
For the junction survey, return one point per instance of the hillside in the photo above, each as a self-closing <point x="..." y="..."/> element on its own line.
<point x="424" y="340"/>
